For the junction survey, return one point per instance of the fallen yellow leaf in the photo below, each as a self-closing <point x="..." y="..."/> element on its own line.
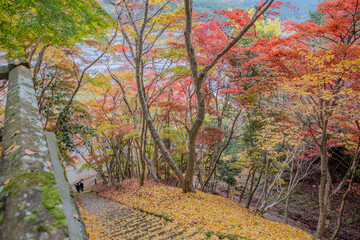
<point x="7" y="181"/>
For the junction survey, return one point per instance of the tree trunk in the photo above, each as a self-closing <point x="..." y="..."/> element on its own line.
<point x="117" y="154"/>
<point x="142" y="149"/>
<point x="253" y="189"/>
<point x="244" y="188"/>
<point x="151" y="164"/>
<point x="262" y="200"/>
<point x="213" y="156"/>
<point x="286" y="210"/>
<point x="33" y="50"/>
<point x="222" y="150"/>
<point x="324" y="187"/>
<point x="344" y="197"/>
<point x="39" y="61"/>
<point x="250" y="190"/>
<point x="101" y="174"/>
<point x="200" y="178"/>
<point x="228" y="190"/>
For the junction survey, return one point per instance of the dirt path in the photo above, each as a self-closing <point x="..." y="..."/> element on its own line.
<point x="121" y="222"/>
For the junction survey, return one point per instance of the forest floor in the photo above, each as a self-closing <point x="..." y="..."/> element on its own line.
<point x="136" y="212"/>
<point x="302" y="214"/>
<point x="107" y="219"/>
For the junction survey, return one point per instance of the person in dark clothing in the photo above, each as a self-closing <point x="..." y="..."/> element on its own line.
<point x="77" y="186"/>
<point x="81" y="185"/>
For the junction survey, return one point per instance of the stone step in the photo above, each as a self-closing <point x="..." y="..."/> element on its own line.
<point x="121" y="222"/>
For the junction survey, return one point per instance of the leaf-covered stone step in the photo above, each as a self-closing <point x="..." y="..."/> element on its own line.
<point x="117" y="221"/>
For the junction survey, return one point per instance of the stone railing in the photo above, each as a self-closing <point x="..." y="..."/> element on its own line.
<point x="36" y="201"/>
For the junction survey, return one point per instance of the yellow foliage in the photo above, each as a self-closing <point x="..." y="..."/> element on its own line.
<point x="266" y="27"/>
<point x="202" y="210"/>
<point x="158" y="2"/>
<point x="93" y="225"/>
<point x="57" y="56"/>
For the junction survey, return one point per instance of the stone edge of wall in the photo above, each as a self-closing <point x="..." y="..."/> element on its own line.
<point x="31" y="205"/>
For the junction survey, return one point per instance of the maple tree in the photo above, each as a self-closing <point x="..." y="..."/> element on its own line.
<point x="57" y="83"/>
<point x="198" y="76"/>
<point x="142" y="44"/>
<point x="114" y="142"/>
<point x="319" y="80"/>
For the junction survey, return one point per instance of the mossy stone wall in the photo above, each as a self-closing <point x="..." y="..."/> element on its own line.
<point x="30" y="202"/>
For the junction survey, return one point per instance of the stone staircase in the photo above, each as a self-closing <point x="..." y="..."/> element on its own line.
<point x="121" y="222"/>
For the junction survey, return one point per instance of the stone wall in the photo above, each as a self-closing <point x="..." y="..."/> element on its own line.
<point x="31" y="206"/>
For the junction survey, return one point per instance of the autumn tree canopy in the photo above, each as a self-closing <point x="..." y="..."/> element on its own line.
<point x="230" y="100"/>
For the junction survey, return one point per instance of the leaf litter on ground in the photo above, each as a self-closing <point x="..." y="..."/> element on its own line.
<point x="205" y="211"/>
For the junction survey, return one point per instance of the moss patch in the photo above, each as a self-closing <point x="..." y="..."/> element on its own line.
<point x="31" y="217"/>
<point x="49" y="193"/>
<point x="51" y="201"/>
<point x="27" y="179"/>
<point x="43" y="227"/>
<point x="36" y="210"/>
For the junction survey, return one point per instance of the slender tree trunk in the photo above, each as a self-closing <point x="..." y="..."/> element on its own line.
<point x="214" y="186"/>
<point x="250" y="190"/>
<point x="182" y="163"/>
<point x="108" y="173"/>
<point x="324" y="214"/>
<point x="151" y="164"/>
<point x="200" y="178"/>
<point x="228" y="190"/>
<point x="262" y="200"/>
<point x="346" y="193"/>
<point x="33" y="50"/>
<point x="118" y="159"/>
<point x="324" y="187"/>
<point x="253" y="190"/>
<point x="132" y="164"/>
<point x="128" y="164"/>
<point x="222" y="149"/>
<point x="286" y="211"/>
<point x="101" y="174"/>
<point x="143" y="152"/>
<point x="246" y="183"/>
<point x="213" y="157"/>
<point x="39" y="60"/>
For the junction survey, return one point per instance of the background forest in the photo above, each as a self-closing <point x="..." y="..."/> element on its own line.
<point x="228" y="99"/>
